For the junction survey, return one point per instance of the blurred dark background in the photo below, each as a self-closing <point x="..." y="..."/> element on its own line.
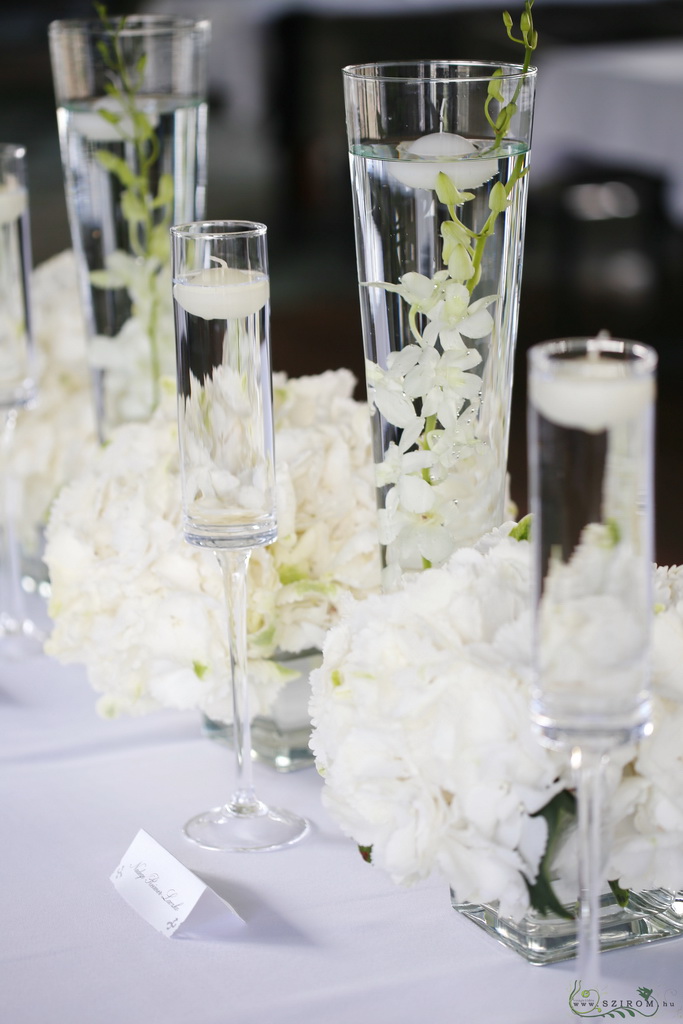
<point x="604" y="246"/>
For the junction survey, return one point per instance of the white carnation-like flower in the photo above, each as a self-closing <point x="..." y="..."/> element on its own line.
<point x="422" y="733"/>
<point x="144" y="610"/>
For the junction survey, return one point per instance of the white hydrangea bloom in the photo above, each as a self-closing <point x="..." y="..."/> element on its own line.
<point x="422" y="734"/>
<point x="143" y="609"/>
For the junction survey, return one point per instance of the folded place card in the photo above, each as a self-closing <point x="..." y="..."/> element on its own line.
<point x="168" y="895"/>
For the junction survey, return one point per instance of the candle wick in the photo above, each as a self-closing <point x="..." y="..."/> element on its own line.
<point x="217" y="259"/>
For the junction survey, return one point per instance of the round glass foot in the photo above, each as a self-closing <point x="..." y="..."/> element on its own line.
<point x="246" y="829"/>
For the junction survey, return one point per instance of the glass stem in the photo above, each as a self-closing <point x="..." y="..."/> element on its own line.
<point x="12" y="613"/>
<point x="234" y="564"/>
<point x="588" y="767"/>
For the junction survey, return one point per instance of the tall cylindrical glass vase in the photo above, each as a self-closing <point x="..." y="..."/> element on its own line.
<point x="131" y="109"/>
<point x="439" y="157"/>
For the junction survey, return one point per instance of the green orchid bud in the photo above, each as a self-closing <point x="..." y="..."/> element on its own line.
<point x="460" y="265"/>
<point x="453" y="234"/>
<point x="507" y="20"/>
<point x="447" y="193"/>
<point x="133" y="207"/>
<point x="494" y="88"/>
<point x="525" y="22"/>
<point x="498" y="200"/>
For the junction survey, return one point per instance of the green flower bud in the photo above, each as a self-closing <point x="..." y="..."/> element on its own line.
<point x="498" y="200"/>
<point x="460" y="265"/>
<point x="447" y="193"/>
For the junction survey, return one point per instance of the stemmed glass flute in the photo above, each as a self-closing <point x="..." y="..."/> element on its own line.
<point x="591" y="430"/>
<point x="225" y="425"/>
<point x="17" y="388"/>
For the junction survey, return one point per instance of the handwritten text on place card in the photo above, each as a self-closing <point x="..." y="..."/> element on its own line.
<point x="168" y="895"/>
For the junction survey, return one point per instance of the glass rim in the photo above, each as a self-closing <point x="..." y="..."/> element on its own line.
<point x="361" y="72"/>
<point x="136" y="25"/>
<point x="640" y="358"/>
<point x="212" y="229"/>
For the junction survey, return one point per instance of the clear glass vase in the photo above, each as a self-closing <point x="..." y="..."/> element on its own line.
<point x="545" y="939"/>
<point x="131" y="110"/>
<point x="280" y="739"/>
<point x="439" y="157"/>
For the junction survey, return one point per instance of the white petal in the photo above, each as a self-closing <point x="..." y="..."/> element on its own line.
<point x="395" y="407"/>
<point x="477" y="325"/>
<point x="416" y="495"/>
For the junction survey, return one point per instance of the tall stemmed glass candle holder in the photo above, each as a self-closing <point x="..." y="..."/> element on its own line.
<point x="225" y="422"/>
<point x="131" y="110"/>
<point x="439" y="156"/>
<point x="591" y="412"/>
<point x="17" y="384"/>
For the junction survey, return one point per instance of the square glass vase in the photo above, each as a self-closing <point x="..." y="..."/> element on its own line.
<point x="649" y="916"/>
<point x="280" y="739"/>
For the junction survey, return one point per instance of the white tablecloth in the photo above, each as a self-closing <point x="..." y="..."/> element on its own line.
<point x="327" y="938"/>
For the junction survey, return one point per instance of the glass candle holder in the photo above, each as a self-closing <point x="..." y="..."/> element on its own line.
<point x="591" y="444"/>
<point x="591" y="438"/>
<point x="221" y="297"/>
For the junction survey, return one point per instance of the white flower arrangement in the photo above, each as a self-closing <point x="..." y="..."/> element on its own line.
<point x="422" y="734"/>
<point x="144" y="610"/>
<point x="55" y="438"/>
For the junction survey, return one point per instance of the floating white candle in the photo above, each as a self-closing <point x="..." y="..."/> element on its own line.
<point x="92" y="126"/>
<point x="422" y="172"/>
<point x="12" y="203"/>
<point x="590" y="394"/>
<point x="222" y="293"/>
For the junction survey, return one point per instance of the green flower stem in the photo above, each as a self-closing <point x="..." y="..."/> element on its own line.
<point x="518" y="172"/>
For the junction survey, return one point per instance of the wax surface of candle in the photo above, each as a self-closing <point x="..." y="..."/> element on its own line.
<point x="590" y="395"/>
<point x="93" y="126"/>
<point x="12" y="203"/>
<point x="222" y="293"/>
<point x="422" y="173"/>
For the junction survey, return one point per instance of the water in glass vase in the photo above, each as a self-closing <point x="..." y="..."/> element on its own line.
<point x="224" y="367"/>
<point x="440" y="418"/>
<point x="120" y="208"/>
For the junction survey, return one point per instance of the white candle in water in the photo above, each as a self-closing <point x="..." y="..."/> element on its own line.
<point x="423" y="172"/>
<point x="590" y="394"/>
<point x="222" y="293"/>
<point x="12" y="203"/>
<point x="92" y="126"/>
